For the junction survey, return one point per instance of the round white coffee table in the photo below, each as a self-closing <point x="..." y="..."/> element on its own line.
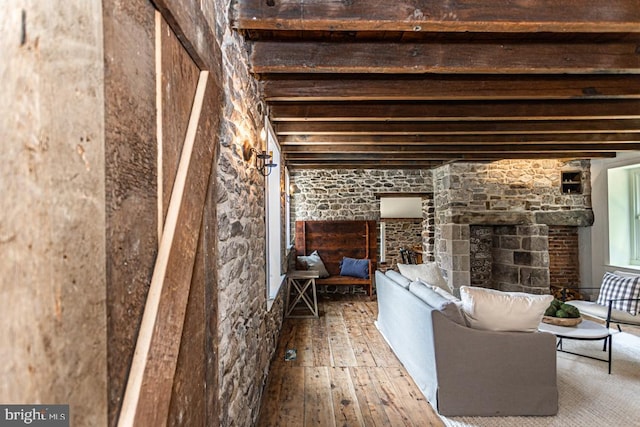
<point x="586" y="330"/>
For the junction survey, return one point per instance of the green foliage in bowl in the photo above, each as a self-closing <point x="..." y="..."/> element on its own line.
<point x="563" y="310"/>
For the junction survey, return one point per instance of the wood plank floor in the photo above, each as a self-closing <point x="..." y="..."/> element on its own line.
<point x="345" y="374"/>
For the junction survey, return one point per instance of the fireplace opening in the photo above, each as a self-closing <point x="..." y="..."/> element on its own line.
<point x="524" y="258"/>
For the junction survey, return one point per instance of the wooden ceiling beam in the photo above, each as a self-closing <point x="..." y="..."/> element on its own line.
<point x="371" y="164"/>
<point x="384" y="150"/>
<point x="423" y="15"/>
<point x="456" y="128"/>
<point x="448" y="58"/>
<point x="457" y="111"/>
<point x="452" y="88"/>
<point x="385" y="158"/>
<point x="488" y="139"/>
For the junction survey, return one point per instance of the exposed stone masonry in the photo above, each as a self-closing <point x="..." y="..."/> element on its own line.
<point x="481" y="255"/>
<point x="470" y="200"/>
<point x="473" y="201"/>
<point x="401" y="233"/>
<point x="521" y="259"/>
<point x="351" y="194"/>
<point x="247" y="331"/>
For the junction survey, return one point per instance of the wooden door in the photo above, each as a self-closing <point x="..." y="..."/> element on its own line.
<point x="172" y="372"/>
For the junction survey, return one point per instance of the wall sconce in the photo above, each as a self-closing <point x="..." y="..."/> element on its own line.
<point x="263" y="161"/>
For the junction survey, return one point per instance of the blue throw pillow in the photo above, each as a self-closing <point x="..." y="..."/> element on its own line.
<point x="354" y="267"/>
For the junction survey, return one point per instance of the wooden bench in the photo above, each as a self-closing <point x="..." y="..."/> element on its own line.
<point x="337" y="239"/>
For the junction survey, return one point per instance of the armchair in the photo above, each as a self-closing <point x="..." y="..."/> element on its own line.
<point x="606" y="312"/>
<point x="618" y="299"/>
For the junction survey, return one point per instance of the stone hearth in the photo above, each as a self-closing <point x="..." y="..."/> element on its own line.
<point x="508" y="251"/>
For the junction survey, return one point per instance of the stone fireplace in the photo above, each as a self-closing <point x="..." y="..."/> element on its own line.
<point x="510" y="257"/>
<point x="511" y="252"/>
<point x="509" y="225"/>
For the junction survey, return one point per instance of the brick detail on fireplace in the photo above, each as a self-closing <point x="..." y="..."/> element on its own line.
<point x="564" y="268"/>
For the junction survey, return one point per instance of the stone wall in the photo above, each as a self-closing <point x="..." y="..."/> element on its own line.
<point x="401" y="233"/>
<point x="521" y="259"/>
<point x="525" y="186"/>
<point x="52" y="209"/>
<point x="352" y="194"/>
<point x="481" y="255"/>
<point x="247" y="331"/>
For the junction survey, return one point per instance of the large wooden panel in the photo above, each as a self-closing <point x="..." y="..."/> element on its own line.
<point x="131" y="180"/>
<point x="178" y="77"/>
<point x="53" y="318"/>
<point x="152" y="373"/>
<point x="188" y="396"/>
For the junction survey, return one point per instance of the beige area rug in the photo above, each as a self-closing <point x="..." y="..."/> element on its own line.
<point x="588" y="395"/>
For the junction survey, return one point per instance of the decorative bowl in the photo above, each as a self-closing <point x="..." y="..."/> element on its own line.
<point x="562" y="321"/>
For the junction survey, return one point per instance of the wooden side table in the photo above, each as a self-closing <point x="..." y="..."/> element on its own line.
<point x="299" y="282"/>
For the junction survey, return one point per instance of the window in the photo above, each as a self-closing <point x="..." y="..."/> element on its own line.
<point x="273" y="219"/>
<point x="624" y="216"/>
<point x="635" y="216"/>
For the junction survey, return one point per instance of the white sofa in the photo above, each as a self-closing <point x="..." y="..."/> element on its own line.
<point x="461" y="370"/>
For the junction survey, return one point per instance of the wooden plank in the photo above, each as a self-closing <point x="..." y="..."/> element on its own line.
<point x="311" y="142"/>
<point x="435" y="160"/>
<point x="422" y="15"/>
<point x="457" y="128"/>
<point x="371" y="406"/>
<point x="272" y="396"/>
<point x="456" y="110"/>
<point x="445" y="58"/>
<point x="162" y="203"/>
<point x="396" y="409"/>
<point x="339" y="342"/>
<point x="148" y="392"/>
<point x="386" y="157"/>
<point x="318" y="407"/>
<point x="304" y="342"/>
<point x="320" y="344"/>
<point x="415" y="405"/>
<point x="354" y="320"/>
<point x="131" y="197"/>
<point x="383" y="354"/>
<point x="287" y="338"/>
<point x="346" y="408"/>
<point x="451" y="88"/>
<point x="346" y="152"/>
<point x="187" y="20"/>
<point x="291" y="412"/>
<point x="177" y="79"/>
<point x="188" y="394"/>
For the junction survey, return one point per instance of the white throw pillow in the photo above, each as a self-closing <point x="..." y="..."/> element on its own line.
<point x="429" y="273"/>
<point x="493" y="310"/>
